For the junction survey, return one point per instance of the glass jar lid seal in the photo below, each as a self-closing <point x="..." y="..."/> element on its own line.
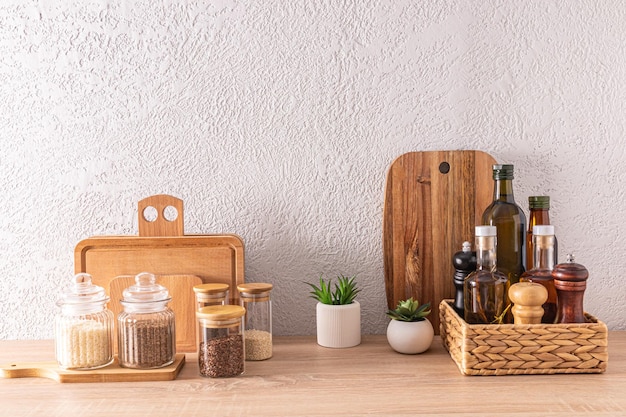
<point x="145" y="290"/>
<point x="82" y="291"/>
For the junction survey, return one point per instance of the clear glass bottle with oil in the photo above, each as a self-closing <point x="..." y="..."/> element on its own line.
<point x="486" y="289"/>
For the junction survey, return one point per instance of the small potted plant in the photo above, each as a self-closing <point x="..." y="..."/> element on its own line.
<point x="338" y="314"/>
<point x="409" y="331"/>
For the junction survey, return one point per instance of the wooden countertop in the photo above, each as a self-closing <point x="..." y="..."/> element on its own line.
<point x="304" y="379"/>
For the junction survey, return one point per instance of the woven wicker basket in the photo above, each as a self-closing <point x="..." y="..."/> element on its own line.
<point x="507" y="349"/>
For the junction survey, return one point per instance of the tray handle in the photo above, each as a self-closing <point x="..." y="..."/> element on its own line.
<point x="160" y="215"/>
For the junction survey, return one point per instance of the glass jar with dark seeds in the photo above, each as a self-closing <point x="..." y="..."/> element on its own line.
<point x="146" y="331"/>
<point x="221" y="351"/>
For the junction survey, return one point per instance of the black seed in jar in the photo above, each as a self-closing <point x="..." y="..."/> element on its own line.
<point x="221" y="357"/>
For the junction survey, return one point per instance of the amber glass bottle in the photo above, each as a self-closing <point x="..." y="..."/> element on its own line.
<point x="486" y="289"/>
<point x="539" y="214"/>
<point x="541" y="272"/>
<point x="510" y="221"/>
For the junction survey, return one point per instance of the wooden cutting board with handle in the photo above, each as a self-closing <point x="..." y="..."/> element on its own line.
<point x="162" y="248"/>
<point x="433" y="201"/>
<point x="111" y="373"/>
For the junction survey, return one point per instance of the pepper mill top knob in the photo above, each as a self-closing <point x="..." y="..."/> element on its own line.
<point x="570" y="274"/>
<point x="528" y="298"/>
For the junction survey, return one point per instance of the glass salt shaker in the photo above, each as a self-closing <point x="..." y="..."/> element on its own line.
<point x="211" y="294"/>
<point x="146" y="331"/>
<point x="84" y="327"/>
<point x="255" y="298"/>
<point x="221" y="347"/>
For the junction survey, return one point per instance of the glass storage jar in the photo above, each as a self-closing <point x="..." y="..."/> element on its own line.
<point x="211" y="294"/>
<point x="255" y="298"/>
<point x="221" y="348"/>
<point x="146" y="330"/>
<point x="84" y="327"/>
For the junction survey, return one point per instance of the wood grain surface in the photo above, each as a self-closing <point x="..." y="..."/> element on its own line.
<point x="305" y="379"/>
<point x="433" y="201"/>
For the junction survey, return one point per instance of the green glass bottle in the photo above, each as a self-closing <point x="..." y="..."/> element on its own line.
<point x="510" y="221"/>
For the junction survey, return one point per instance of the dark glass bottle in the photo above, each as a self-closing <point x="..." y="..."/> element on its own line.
<point x="539" y="214"/>
<point x="464" y="262"/>
<point x="541" y="272"/>
<point x="510" y="221"/>
<point x="486" y="289"/>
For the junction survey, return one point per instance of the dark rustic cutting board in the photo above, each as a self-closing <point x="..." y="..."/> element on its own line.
<point x="433" y="201"/>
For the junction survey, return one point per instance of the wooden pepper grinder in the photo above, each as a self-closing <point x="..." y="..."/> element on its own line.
<point x="528" y="299"/>
<point x="570" y="280"/>
<point x="464" y="262"/>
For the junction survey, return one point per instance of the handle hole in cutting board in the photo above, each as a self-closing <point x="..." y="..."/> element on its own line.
<point x="444" y="167"/>
<point x="150" y="214"/>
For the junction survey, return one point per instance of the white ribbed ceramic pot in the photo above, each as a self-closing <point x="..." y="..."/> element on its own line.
<point x="410" y="337"/>
<point x="338" y="326"/>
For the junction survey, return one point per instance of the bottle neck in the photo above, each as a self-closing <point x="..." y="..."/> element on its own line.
<point x="486" y="253"/>
<point x="544" y="252"/>
<point x="538" y="217"/>
<point x="503" y="191"/>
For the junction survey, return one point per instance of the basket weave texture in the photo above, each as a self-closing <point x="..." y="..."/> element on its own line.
<point x="507" y="349"/>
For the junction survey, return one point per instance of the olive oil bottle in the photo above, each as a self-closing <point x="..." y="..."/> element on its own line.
<point x="510" y="222"/>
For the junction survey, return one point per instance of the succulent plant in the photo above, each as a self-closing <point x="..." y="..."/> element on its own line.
<point x="344" y="292"/>
<point x="409" y="310"/>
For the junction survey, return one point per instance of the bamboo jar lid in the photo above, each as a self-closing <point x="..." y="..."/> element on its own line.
<point x="211" y="288"/>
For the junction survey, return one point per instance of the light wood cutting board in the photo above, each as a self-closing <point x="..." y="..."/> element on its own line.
<point x="433" y="201"/>
<point x="111" y="373"/>
<point x="162" y="248"/>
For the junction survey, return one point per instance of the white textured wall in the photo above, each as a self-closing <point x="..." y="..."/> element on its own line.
<point x="277" y="120"/>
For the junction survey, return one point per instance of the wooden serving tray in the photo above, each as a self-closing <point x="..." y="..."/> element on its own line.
<point x="111" y="373"/>
<point x="433" y="201"/>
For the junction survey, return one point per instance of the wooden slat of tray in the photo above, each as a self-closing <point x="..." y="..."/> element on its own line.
<point x="111" y="373"/>
<point x="213" y="258"/>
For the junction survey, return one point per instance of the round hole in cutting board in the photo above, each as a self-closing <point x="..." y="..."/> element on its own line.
<point x="150" y="214"/>
<point x="170" y="213"/>
<point x="444" y="167"/>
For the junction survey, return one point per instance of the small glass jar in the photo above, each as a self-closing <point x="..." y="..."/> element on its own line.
<point x="255" y="298"/>
<point x="211" y="294"/>
<point x="221" y="348"/>
<point x="84" y="327"/>
<point x="146" y="330"/>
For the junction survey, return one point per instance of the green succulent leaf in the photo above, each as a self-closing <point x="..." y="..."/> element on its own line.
<point x="344" y="291"/>
<point x="409" y="310"/>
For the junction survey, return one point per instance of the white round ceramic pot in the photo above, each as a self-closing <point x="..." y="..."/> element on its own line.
<point x="338" y="326"/>
<point x="410" y="337"/>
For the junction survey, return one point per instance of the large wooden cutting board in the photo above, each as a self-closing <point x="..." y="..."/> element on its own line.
<point x="433" y="201"/>
<point x="163" y="249"/>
